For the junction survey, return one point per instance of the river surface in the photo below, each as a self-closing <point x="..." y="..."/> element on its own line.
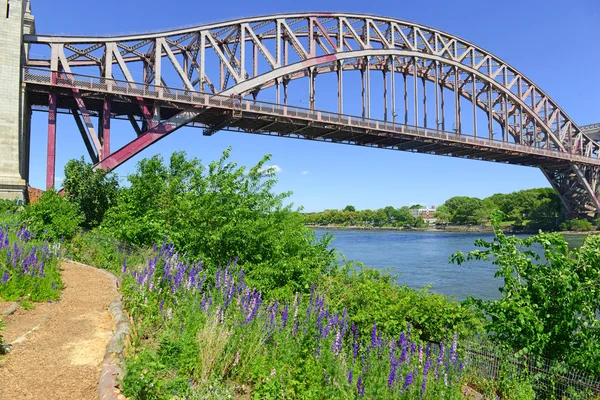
<point x="419" y="259"/>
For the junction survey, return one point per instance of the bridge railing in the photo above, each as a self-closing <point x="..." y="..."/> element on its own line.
<point x="590" y="127"/>
<point x="237" y="103"/>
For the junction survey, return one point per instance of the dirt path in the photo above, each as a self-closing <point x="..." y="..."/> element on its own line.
<point x="61" y="357"/>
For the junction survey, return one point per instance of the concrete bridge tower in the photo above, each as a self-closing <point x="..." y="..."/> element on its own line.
<point x="15" y="112"/>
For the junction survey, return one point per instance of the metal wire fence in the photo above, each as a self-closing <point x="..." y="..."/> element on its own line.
<point x="549" y="379"/>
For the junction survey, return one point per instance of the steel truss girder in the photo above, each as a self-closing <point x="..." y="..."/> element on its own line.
<point x="573" y="183"/>
<point x="332" y="34"/>
<point x="294" y="46"/>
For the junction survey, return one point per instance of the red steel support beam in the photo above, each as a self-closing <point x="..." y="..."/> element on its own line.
<point x="153" y="135"/>
<point x="51" y="154"/>
<point x="105" y="124"/>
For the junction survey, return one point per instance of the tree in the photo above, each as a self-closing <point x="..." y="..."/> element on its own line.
<point x="420" y="222"/>
<point x="350" y="208"/>
<point x="404" y="217"/>
<point x="220" y="212"/>
<point x="443" y="213"/>
<point x="547" y="308"/>
<point x="464" y="210"/>
<point x="92" y="191"/>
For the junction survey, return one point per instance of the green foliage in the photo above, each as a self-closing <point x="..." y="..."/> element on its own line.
<point x="53" y="217"/>
<point x="372" y="296"/>
<point x="420" y="222"/>
<point x="388" y="216"/>
<point x="104" y="251"/>
<point x="218" y="338"/>
<point x="577" y="225"/>
<point x="4" y="348"/>
<point x="464" y="210"/>
<point x="220" y="212"/>
<point x="548" y="308"/>
<point x="28" y="267"/>
<point x="443" y="213"/>
<point x="542" y="209"/>
<point x="10" y="206"/>
<point x="93" y="191"/>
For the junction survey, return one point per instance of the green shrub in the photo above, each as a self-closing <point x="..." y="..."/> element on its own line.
<point x="370" y="295"/>
<point x="104" y="251"/>
<point x="10" y="206"/>
<point x="93" y="191"/>
<point x="3" y="347"/>
<point x="220" y="212"/>
<point x="53" y="217"/>
<point x="548" y="308"/>
<point x="577" y="225"/>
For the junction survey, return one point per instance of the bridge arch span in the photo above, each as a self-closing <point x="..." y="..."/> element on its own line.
<point x="245" y="57"/>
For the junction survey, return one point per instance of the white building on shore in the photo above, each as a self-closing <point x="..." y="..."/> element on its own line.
<point x="428" y="214"/>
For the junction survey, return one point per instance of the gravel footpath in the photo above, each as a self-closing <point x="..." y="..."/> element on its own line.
<point x="61" y="346"/>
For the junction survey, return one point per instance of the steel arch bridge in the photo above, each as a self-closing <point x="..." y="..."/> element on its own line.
<point x="410" y="87"/>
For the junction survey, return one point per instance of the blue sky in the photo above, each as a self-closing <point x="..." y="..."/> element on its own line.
<point x="553" y="42"/>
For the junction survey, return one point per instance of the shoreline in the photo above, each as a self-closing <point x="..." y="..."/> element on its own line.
<point x="451" y="228"/>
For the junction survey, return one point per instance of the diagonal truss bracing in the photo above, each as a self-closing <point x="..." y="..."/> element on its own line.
<point x="250" y="56"/>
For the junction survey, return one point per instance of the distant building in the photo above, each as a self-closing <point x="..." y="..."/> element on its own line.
<point x="428" y="214"/>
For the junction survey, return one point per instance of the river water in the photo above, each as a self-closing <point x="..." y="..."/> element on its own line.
<point x="422" y="258"/>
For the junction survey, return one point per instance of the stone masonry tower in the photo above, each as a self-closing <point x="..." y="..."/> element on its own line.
<point x="15" y="113"/>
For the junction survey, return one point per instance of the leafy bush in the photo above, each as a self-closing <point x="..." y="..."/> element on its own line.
<point x="28" y="268"/>
<point x="577" y="225"/>
<point x="191" y="335"/>
<point x="3" y="347"/>
<point x="548" y="308"/>
<point x="371" y="296"/>
<point x="93" y="191"/>
<point x="218" y="213"/>
<point x="104" y="251"/>
<point x="53" y="217"/>
<point x="10" y="206"/>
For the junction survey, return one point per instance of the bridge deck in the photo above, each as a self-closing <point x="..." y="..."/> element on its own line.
<point x="221" y="112"/>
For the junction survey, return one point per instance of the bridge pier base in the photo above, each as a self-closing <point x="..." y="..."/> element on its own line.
<point x="15" y="112"/>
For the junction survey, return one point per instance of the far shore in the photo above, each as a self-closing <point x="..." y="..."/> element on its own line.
<point x="448" y="228"/>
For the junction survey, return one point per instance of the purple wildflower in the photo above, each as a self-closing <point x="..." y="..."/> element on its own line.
<point x="408" y="381"/>
<point x="374" y="336"/>
<point x="393" y="367"/>
<point x="441" y="355"/>
<point x="360" y="387"/>
<point x="5" y="277"/>
<point x="336" y="347"/>
<point x="284" y="317"/>
<point x="453" y="355"/>
<point x="124" y="269"/>
<point x="423" y="386"/>
<point x="350" y="376"/>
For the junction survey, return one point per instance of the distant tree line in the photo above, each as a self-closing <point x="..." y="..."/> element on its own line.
<point x="525" y="209"/>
